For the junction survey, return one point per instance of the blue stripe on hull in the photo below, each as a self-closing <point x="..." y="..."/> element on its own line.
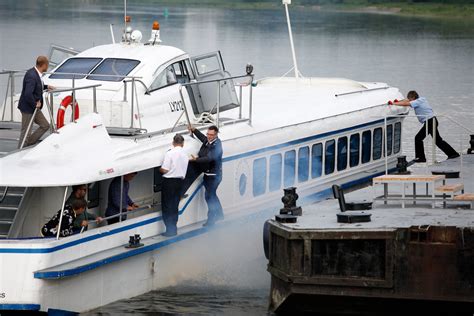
<point x="19" y="307"/>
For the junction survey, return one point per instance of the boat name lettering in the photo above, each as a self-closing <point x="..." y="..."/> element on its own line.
<point x="176" y="106"/>
<point x="3" y="295"/>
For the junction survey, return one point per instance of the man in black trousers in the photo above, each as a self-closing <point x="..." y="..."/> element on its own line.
<point x="209" y="161"/>
<point x="426" y="116"/>
<point x="31" y="98"/>
<point x="173" y="169"/>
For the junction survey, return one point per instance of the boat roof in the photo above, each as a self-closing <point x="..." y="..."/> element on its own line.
<point x="151" y="58"/>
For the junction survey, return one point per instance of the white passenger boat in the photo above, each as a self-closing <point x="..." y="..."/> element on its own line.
<point x="133" y="97"/>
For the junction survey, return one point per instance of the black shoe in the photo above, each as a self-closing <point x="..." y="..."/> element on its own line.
<point x="416" y="160"/>
<point x="209" y="224"/>
<point x="169" y="233"/>
<point x="453" y="156"/>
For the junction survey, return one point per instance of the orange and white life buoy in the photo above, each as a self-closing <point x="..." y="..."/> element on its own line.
<point x="62" y="110"/>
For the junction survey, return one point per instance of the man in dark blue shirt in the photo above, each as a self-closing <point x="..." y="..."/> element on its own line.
<point x="209" y="161"/>
<point x="113" y="206"/>
<point x="31" y="98"/>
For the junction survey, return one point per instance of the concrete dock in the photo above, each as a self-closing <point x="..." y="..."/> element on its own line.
<point x="402" y="260"/>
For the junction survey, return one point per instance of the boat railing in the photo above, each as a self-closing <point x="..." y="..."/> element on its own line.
<point x="10" y="91"/>
<point x="217" y="107"/>
<point x="467" y="132"/>
<point x="121" y="214"/>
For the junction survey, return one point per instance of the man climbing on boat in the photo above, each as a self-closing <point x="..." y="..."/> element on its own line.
<point x="173" y="169"/>
<point x="209" y="161"/>
<point x="70" y="213"/>
<point x="425" y="116"/>
<point x="31" y="103"/>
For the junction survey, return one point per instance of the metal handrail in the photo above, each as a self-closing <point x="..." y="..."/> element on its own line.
<point x="142" y="208"/>
<point x="74" y="88"/>
<point x="218" y="81"/>
<point x="361" y="91"/>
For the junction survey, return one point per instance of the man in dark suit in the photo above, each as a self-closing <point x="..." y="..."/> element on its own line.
<point x="32" y="97"/>
<point x="209" y="161"/>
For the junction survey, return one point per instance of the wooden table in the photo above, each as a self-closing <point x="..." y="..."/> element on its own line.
<point x="411" y="180"/>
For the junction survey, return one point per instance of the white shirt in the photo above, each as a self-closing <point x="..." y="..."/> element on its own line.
<point x="40" y="74"/>
<point x="176" y="162"/>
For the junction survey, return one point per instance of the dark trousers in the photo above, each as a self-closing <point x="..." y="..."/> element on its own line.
<point x="214" y="205"/>
<point x="421" y="135"/>
<point x="170" y="196"/>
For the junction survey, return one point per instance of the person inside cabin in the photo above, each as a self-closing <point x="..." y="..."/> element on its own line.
<point x="426" y="116"/>
<point x="31" y="98"/>
<point x="70" y="213"/>
<point x="209" y="161"/>
<point x="113" y="206"/>
<point x="78" y="193"/>
<point x="173" y="169"/>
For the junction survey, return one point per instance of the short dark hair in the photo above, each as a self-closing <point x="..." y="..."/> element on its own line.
<point x="78" y="203"/>
<point x="41" y="60"/>
<point x="178" y="139"/>
<point x="412" y="95"/>
<point x="77" y="187"/>
<point x="214" y="128"/>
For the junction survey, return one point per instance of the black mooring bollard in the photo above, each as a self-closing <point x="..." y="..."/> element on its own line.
<point x="289" y="202"/>
<point x="471" y="150"/>
<point x="402" y="165"/>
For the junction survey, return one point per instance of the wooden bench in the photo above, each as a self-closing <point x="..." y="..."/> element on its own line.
<point x="467" y="197"/>
<point x="450" y="189"/>
<point x="410" y="180"/>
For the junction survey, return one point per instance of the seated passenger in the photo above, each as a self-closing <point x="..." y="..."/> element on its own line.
<point x="113" y="206"/>
<point x="50" y="229"/>
<point x="79" y="193"/>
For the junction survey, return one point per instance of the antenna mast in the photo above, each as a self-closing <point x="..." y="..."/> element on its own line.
<point x="295" y="64"/>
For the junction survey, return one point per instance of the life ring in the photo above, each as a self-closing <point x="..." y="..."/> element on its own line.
<point x="62" y="110"/>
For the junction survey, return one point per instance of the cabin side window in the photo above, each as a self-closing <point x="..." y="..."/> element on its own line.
<point x="303" y="164"/>
<point x="275" y="172"/>
<point x="341" y="153"/>
<point x="354" y="150"/>
<point x="366" y="146"/>
<point x="289" y="169"/>
<point x="377" y="144"/>
<point x="259" y="176"/>
<point x="389" y="139"/>
<point x="207" y="65"/>
<point x="397" y="135"/>
<point x="165" y="78"/>
<point x="329" y="153"/>
<point x="316" y="160"/>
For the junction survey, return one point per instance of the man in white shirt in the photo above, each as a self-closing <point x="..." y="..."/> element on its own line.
<point x="173" y="169"/>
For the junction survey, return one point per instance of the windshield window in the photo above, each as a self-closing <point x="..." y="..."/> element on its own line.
<point x="75" y="66"/>
<point x="117" y="68"/>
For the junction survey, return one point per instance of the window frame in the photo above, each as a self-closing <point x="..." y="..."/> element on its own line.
<point x="271" y="173"/>
<point x="369" y="147"/>
<point x="356" y="135"/>
<point x="303" y="174"/>
<point x="263" y="187"/>
<point x="327" y="144"/>
<point x="338" y="153"/>
<point x="377" y="148"/>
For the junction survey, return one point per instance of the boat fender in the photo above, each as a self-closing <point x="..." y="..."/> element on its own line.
<point x="62" y="110"/>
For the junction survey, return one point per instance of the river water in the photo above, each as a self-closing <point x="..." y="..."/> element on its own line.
<point x="433" y="56"/>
